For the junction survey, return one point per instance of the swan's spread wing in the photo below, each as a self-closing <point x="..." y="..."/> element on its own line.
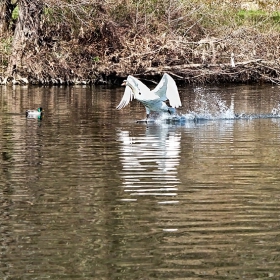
<point x="167" y="89"/>
<point x="127" y="97"/>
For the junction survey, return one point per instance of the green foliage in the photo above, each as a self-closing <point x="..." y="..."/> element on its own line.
<point x="263" y="19"/>
<point x="15" y="13"/>
<point x="48" y="11"/>
<point x="96" y="59"/>
<point x="276" y="17"/>
<point x="251" y="14"/>
<point x="215" y="16"/>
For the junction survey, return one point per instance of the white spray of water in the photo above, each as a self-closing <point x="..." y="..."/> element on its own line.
<point x="212" y="107"/>
<point x="206" y="107"/>
<point x="276" y="111"/>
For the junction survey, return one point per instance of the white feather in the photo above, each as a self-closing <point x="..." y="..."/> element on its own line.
<point x="152" y="100"/>
<point x="167" y="90"/>
<point x="127" y="97"/>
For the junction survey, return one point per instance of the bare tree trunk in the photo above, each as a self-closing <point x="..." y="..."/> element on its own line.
<point x="3" y="22"/>
<point x="26" y="34"/>
<point x="6" y="9"/>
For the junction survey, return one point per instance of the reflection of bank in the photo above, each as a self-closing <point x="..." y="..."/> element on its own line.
<point x="150" y="161"/>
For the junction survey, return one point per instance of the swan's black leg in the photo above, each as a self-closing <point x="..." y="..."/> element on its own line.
<point x="147" y="116"/>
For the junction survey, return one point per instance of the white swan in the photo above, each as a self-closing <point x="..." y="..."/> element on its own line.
<point x="153" y="100"/>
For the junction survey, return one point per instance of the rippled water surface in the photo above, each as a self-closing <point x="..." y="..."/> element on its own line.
<point x="87" y="193"/>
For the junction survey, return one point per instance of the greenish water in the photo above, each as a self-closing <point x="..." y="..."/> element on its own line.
<point x="87" y="193"/>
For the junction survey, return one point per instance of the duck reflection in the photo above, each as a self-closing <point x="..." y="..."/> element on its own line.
<point x="150" y="161"/>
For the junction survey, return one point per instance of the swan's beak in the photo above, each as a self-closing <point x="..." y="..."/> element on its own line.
<point x="124" y="83"/>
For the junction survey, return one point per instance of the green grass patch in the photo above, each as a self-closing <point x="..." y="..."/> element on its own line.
<point x="251" y="14"/>
<point x="276" y="17"/>
<point x="258" y="16"/>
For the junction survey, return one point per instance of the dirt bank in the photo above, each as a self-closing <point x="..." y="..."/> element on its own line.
<point x="209" y="60"/>
<point x="123" y="40"/>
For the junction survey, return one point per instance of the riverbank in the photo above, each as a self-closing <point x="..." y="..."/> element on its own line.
<point x="195" y="43"/>
<point x="217" y="66"/>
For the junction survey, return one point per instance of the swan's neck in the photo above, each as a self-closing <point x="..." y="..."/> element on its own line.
<point x="134" y="89"/>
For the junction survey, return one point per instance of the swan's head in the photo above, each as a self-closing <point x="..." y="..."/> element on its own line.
<point x="134" y="88"/>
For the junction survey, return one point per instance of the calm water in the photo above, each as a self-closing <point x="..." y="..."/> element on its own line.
<point x="87" y="193"/>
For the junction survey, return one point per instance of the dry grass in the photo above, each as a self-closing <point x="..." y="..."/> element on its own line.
<point x="85" y="40"/>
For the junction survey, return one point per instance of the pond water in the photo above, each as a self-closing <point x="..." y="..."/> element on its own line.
<point x="87" y="193"/>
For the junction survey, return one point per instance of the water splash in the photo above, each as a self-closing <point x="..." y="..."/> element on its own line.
<point x="212" y="107"/>
<point x="276" y="111"/>
<point x="206" y="107"/>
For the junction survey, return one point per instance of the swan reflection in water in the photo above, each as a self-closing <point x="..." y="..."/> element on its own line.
<point x="149" y="162"/>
